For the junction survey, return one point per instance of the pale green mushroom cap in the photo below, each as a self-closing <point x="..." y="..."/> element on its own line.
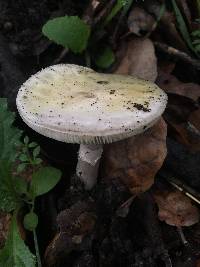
<point x="75" y="104"/>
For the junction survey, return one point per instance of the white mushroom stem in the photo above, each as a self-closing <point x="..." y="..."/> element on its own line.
<point x="88" y="164"/>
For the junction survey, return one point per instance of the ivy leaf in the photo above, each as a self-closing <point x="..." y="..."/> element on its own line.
<point x="9" y="136"/>
<point x="15" y="253"/>
<point x="106" y="58"/>
<point x="68" y="31"/>
<point x="44" y="180"/>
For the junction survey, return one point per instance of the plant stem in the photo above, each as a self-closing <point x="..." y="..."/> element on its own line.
<point x="29" y="155"/>
<point x="37" y="249"/>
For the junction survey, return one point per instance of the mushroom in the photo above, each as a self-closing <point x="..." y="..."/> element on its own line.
<point x="75" y="104"/>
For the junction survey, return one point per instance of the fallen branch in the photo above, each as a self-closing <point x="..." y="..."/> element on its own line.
<point x="178" y="54"/>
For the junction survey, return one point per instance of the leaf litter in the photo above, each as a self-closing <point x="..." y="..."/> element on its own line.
<point x="130" y="167"/>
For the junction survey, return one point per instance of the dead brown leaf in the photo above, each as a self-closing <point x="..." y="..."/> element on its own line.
<point x="136" y="160"/>
<point x="138" y="59"/>
<point x="181" y="114"/>
<point x="139" y="21"/>
<point x="176" y="209"/>
<point x="170" y="84"/>
<point x="186" y="134"/>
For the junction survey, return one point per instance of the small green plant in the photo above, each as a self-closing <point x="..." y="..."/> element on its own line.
<point x="17" y="192"/>
<point x="191" y="39"/>
<point x="69" y="31"/>
<point x="73" y="33"/>
<point x="196" y="39"/>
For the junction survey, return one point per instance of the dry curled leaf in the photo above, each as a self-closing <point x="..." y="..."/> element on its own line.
<point x="139" y="21"/>
<point x="138" y="59"/>
<point x="136" y="160"/>
<point x="170" y="84"/>
<point x="176" y="209"/>
<point x="182" y="111"/>
<point x="188" y="135"/>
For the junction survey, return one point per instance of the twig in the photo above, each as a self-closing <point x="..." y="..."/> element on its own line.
<point x="61" y="56"/>
<point x="123" y="209"/>
<point x="123" y="14"/>
<point x="88" y="15"/>
<point x="178" y="54"/>
<point x="37" y="249"/>
<point x="104" y="11"/>
<point x="182" y="236"/>
<point x="191" y="193"/>
<point x="155" y="24"/>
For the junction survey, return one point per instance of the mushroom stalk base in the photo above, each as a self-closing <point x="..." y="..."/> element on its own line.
<point x="88" y="164"/>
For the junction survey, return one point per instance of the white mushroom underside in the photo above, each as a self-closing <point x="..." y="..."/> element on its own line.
<point x="75" y="104"/>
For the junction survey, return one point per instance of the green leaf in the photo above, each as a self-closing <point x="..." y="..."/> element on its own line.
<point x="198" y="6"/>
<point x="16" y="253"/>
<point x="68" y="31"/>
<point x="23" y="157"/>
<point x="196" y="33"/>
<point x="21" y="167"/>
<point x="33" y="144"/>
<point x="9" y="136"/>
<point x="37" y="161"/>
<point x="20" y="186"/>
<point x="8" y="199"/>
<point x="182" y="26"/>
<point x="197" y="47"/>
<point x="106" y="58"/>
<point x="30" y="221"/>
<point x="44" y="180"/>
<point x="26" y="140"/>
<point x="117" y="7"/>
<point x="36" y="152"/>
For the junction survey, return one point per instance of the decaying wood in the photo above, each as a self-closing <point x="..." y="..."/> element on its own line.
<point x="75" y="228"/>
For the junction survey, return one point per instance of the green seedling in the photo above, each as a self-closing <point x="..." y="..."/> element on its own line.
<point x="17" y="192"/>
